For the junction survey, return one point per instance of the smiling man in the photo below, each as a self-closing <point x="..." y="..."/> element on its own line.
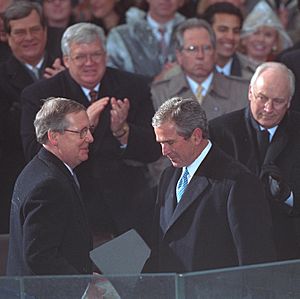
<point x="114" y="179"/>
<point x="49" y="231"/>
<point x="26" y="31"/>
<point x="227" y="20"/>
<point x="205" y="203"/>
<point x="265" y="138"/>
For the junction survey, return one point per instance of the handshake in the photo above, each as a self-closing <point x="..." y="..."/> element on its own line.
<point x="275" y="184"/>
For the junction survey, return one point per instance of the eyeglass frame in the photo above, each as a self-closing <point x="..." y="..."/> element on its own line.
<point x="21" y="33"/>
<point x="83" y="132"/>
<point x="193" y="50"/>
<point x="81" y="59"/>
<point x="263" y="99"/>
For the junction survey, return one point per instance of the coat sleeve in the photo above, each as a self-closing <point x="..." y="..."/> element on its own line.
<point x="250" y="221"/>
<point x="46" y="215"/>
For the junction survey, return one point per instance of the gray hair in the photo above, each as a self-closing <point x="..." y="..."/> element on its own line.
<point x="186" y="113"/>
<point x="191" y="24"/>
<point x="19" y="10"/>
<point x="82" y="33"/>
<point x="52" y="116"/>
<point x="275" y="66"/>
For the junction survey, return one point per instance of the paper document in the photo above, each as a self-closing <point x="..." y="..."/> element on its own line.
<point x="125" y="254"/>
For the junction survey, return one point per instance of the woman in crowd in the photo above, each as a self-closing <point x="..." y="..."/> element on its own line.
<point x="263" y="35"/>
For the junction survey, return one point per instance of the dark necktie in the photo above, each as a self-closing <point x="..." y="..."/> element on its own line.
<point x="163" y="44"/>
<point x="263" y="143"/>
<point x="76" y="180"/>
<point x="93" y="95"/>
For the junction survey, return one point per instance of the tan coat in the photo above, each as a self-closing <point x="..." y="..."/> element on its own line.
<point x="226" y="94"/>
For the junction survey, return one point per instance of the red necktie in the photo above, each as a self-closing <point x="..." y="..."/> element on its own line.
<point x="93" y="96"/>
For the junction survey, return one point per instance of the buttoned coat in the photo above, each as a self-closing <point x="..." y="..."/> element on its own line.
<point x="213" y="225"/>
<point x="235" y="135"/>
<point x="49" y="231"/>
<point x="225" y="94"/>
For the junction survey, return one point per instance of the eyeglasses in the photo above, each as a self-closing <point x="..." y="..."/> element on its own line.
<point x="262" y="99"/>
<point x="193" y="50"/>
<point x="82" y="58"/>
<point x="21" y="33"/>
<point x="83" y="132"/>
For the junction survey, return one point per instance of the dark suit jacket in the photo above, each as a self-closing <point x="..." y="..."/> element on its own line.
<point x="112" y="175"/>
<point x="292" y="60"/>
<point x="235" y="135"/>
<point x="49" y="231"/>
<point x="14" y="77"/>
<point x="213" y="225"/>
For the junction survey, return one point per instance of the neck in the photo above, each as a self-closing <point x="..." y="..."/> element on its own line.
<point x="58" y="24"/>
<point x="160" y="19"/>
<point x="111" y="20"/>
<point x="221" y="60"/>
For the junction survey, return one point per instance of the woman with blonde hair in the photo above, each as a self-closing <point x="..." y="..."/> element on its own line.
<point x="262" y="35"/>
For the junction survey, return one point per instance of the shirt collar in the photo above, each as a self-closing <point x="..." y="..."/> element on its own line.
<point x="155" y="28"/>
<point x="205" y="84"/>
<point x="226" y="69"/>
<point x="271" y="131"/>
<point x="86" y="91"/>
<point x="38" y="65"/>
<point x="192" y="168"/>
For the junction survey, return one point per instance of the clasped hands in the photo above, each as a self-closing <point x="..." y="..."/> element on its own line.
<point x="118" y="116"/>
<point x="276" y="186"/>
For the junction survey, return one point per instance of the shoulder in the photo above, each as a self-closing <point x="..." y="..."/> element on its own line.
<point x="232" y="119"/>
<point x="47" y="84"/>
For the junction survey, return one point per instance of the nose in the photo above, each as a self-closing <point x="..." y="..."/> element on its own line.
<point x="200" y="53"/>
<point x="89" y="137"/>
<point x="165" y="149"/>
<point x="269" y="105"/>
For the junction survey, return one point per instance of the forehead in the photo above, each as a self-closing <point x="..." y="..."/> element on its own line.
<point x="32" y="19"/>
<point x="198" y="36"/>
<point x="86" y="47"/>
<point x="226" y="19"/>
<point x="78" y="119"/>
<point x="273" y="83"/>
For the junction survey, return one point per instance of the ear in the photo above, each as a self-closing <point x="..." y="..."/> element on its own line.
<point x="178" y="57"/>
<point x="250" y="94"/>
<point x="53" y="137"/>
<point x="66" y="60"/>
<point x="197" y="136"/>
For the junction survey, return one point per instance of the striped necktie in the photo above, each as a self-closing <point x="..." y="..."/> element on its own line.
<point x="93" y="95"/>
<point x="199" y="95"/>
<point x="182" y="184"/>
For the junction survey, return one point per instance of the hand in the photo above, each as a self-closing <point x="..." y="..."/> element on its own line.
<point x="276" y="185"/>
<point x="56" y="67"/>
<point x="119" y="113"/>
<point x="94" y="110"/>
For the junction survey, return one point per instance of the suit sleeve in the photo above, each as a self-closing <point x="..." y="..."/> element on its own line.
<point x="250" y="221"/>
<point x="45" y="217"/>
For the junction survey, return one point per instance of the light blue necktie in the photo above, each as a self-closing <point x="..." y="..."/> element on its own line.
<point x="183" y="182"/>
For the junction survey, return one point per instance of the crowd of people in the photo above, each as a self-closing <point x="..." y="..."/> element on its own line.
<point x="157" y="115"/>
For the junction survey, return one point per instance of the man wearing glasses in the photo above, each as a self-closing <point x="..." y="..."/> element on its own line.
<point x="114" y="179"/>
<point x="265" y="137"/>
<point x="49" y="231"/>
<point x="196" y="56"/>
<point x="198" y="78"/>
